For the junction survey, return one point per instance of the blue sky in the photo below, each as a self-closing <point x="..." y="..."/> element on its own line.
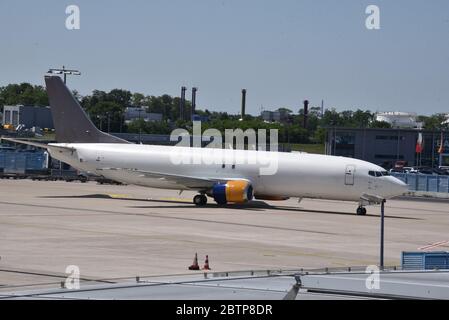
<point x="282" y="52"/>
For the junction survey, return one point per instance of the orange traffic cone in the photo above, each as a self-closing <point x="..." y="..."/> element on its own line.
<point x="195" y="265"/>
<point x="206" y="263"/>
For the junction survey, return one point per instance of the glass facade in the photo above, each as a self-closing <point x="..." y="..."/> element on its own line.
<point x="345" y="144"/>
<point x="430" y="155"/>
<point x="386" y="146"/>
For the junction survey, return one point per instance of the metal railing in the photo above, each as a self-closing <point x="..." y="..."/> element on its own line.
<point x="424" y="182"/>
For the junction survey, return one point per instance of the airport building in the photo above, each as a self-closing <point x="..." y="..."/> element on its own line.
<point x="279" y="115"/>
<point x="399" y="119"/>
<point x="386" y="146"/>
<point x="136" y="113"/>
<point x="28" y="116"/>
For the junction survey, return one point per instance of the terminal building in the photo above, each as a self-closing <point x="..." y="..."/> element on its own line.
<point x="28" y="116"/>
<point x="386" y="146"/>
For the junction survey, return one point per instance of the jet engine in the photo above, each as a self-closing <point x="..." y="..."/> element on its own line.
<point x="236" y="191"/>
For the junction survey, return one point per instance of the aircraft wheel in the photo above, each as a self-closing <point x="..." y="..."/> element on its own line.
<point x="200" y="200"/>
<point x="361" y="211"/>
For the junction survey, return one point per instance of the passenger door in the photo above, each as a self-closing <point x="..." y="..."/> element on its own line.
<point x="349" y="175"/>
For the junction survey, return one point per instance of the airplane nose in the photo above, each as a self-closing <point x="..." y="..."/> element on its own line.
<point x="399" y="187"/>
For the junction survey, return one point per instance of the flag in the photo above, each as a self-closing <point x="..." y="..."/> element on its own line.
<point x="441" y="148"/>
<point x="419" y="144"/>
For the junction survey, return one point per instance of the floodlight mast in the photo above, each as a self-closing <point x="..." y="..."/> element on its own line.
<point x="64" y="72"/>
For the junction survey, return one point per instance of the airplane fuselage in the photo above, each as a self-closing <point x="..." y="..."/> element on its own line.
<point x="299" y="175"/>
<point x="226" y="175"/>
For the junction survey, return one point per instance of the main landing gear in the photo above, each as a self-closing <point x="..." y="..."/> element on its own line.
<point x="200" y="200"/>
<point x="361" y="211"/>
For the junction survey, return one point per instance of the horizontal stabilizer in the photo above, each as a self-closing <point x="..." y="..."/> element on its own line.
<point x="37" y="144"/>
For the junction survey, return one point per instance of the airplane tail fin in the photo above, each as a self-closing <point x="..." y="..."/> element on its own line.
<point x="71" y="123"/>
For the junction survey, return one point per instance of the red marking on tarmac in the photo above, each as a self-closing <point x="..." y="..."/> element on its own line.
<point x="433" y="245"/>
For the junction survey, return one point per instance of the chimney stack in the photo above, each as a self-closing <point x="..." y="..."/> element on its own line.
<point x="243" y="103"/>
<point x="193" y="101"/>
<point x="182" y="103"/>
<point x="306" y="113"/>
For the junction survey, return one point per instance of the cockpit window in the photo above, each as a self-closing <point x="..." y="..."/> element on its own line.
<point x="378" y="173"/>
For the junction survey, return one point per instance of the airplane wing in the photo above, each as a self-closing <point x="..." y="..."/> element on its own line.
<point x="184" y="182"/>
<point x="189" y="182"/>
<point x="37" y="144"/>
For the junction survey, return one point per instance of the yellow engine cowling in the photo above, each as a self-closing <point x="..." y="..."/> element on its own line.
<point x="236" y="191"/>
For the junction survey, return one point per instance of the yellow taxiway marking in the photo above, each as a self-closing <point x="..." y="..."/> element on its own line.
<point x="176" y="199"/>
<point x="118" y="196"/>
<point x="126" y="196"/>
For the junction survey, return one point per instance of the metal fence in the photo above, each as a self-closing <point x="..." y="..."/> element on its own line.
<point x="424" y="182"/>
<point x="425" y="260"/>
<point x="19" y="162"/>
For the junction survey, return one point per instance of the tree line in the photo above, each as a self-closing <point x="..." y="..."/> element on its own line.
<point x="107" y="110"/>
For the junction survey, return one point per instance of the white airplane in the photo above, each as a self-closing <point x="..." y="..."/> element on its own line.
<point x="298" y="175"/>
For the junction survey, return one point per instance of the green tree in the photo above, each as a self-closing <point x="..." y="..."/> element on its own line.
<point x="107" y="115"/>
<point x="120" y="97"/>
<point x="379" y="124"/>
<point x="23" y="93"/>
<point x="361" y="118"/>
<point x="434" y="122"/>
<point x="140" y="125"/>
<point x="138" y="99"/>
<point x="320" y="135"/>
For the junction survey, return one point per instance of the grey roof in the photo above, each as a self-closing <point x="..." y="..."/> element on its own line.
<point x="400" y="284"/>
<point x="314" y="285"/>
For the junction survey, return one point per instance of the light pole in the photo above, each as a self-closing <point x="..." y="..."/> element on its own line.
<point x="109" y="122"/>
<point x="192" y="111"/>
<point x="64" y="72"/>
<point x="140" y="127"/>
<point x="382" y="231"/>
<point x="101" y="122"/>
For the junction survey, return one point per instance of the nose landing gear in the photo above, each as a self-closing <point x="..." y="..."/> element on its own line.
<point x="200" y="200"/>
<point x="361" y="211"/>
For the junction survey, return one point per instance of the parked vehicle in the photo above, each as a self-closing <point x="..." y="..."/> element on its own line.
<point x="410" y="169"/>
<point x="400" y="164"/>
<point x="394" y="170"/>
<point x="426" y="170"/>
<point x="441" y="172"/>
